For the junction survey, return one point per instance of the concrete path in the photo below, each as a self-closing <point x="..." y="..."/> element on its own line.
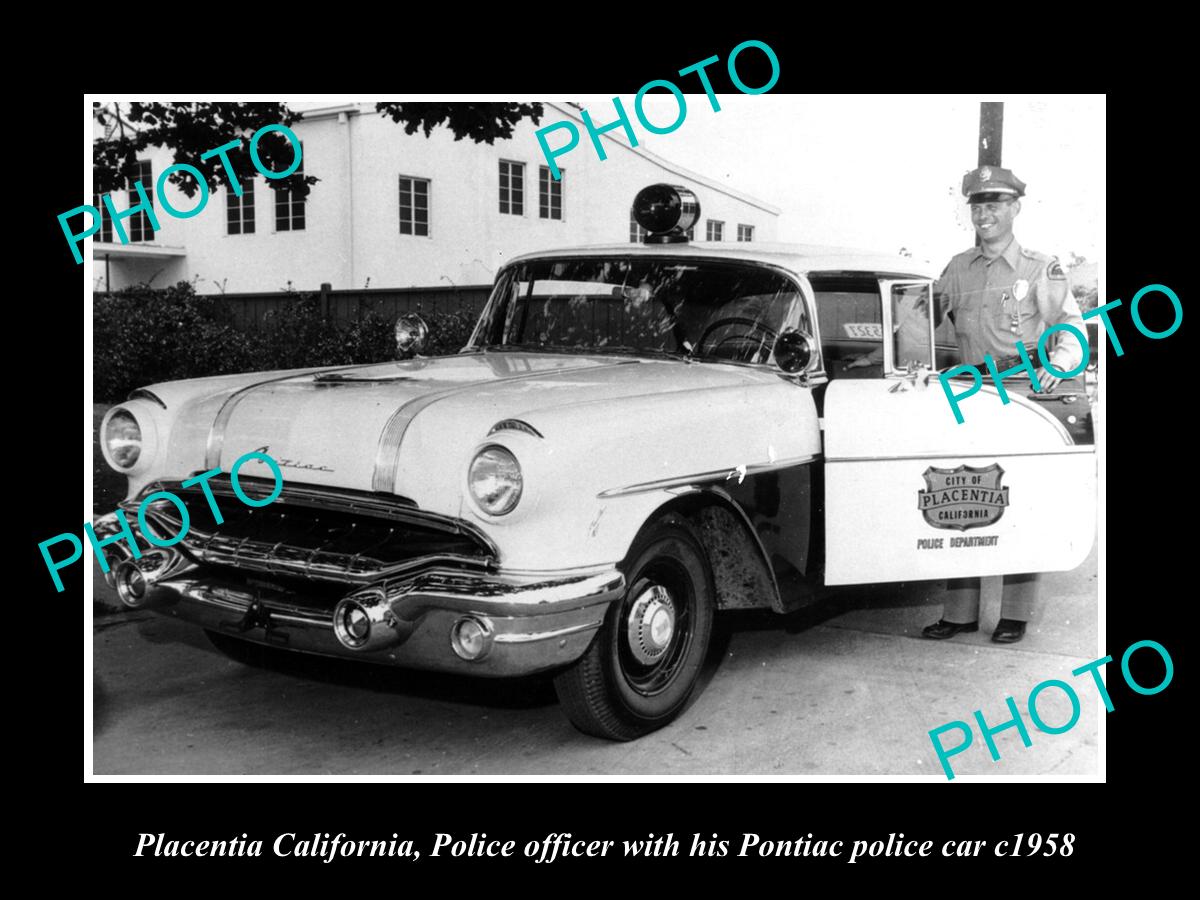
<point x="846" y="688"/>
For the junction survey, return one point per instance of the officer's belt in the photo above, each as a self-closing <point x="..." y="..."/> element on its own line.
<point x="1010" y="362"/>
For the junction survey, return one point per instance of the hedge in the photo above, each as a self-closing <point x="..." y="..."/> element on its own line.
<point x="144" y="335"/>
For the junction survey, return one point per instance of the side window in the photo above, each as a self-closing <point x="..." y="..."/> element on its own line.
<point x="550" y="194"/>
<point x="105" y="234"/>
<point x="912" y="336"/>
<point x="139" y="226"/>
<point x="850" y="316"/>
<point x="414" y="206"/>
<point x="945" y="342"/>
<point x="239" y="211"/>
<point x="289" y="208"/>
<point x="857" y="339"/>
<point x="512" y="188"/>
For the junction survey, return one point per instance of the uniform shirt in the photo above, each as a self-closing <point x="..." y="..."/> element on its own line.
<point x="988" y="319"/>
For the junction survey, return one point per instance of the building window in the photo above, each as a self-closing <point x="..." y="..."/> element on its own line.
<point x="549" y="194"/>
<point x="745" y="232"/>
<point x="104" y="235"/>
<point x="637" y="234"/>
<point x="139" y="226"/>
<point x="239" y="211"/>
<point x="414" y="206"/>
<point x="715" y="231"/>
<point x="691" y="232"/>
<point x="289" y="207"/>
<point x="512" y="188"/>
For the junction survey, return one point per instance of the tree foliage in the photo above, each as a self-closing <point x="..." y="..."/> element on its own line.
<point x="478" y="121"/>
<point x="192" y="129"/>
<point x="144" y="335"/>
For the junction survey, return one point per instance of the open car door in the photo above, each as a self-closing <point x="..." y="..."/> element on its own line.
<point x="911" y="494"/>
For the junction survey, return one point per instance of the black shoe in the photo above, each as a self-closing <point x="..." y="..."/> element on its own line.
<point x="1008" y="631"/>
<point x="941" y="629"/>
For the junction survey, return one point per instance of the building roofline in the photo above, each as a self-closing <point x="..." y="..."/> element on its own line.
<point x="572" y="112"/>
<point x="135" y="249"/>
<point x="325" y="112"/>
<point x="671" y="167"/>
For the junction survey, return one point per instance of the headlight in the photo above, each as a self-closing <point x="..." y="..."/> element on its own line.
<point x="495" y="480"/>
<point x="123" y="439"/>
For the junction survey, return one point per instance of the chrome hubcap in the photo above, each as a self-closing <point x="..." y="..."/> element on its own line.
<point x="651" y="624"/>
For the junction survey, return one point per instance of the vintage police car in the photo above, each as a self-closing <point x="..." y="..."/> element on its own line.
<point x="635" y="438"/>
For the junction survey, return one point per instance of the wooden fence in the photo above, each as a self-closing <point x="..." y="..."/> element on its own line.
<point x="349" y="305"/>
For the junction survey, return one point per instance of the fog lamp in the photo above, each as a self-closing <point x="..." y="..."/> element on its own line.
<point x="471" y="638"/>
<point x="365" y="622"/>
<point x="131" y="585"/>
<point x="352" y="624"/>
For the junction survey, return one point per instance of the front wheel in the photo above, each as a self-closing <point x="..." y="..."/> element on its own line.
<point x="639" y="672"/>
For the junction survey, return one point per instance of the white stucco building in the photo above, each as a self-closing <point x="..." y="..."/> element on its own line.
<point x="407" y="210"/>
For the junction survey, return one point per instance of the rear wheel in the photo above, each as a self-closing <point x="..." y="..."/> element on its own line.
<point x="639" y="672"/>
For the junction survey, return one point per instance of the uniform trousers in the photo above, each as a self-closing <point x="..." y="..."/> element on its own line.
<point x="962" y="598"/>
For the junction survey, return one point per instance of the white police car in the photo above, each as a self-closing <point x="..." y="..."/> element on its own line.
<point x="635" y="438"/>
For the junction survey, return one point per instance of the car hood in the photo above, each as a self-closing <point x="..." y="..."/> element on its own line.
<point x="384" y="427"/>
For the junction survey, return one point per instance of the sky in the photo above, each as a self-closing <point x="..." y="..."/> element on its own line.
<point x="885" y="172"/>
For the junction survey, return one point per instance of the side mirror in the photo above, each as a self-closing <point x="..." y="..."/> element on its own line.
<point x="793" y="351"/>
<point x="412" y="334"/>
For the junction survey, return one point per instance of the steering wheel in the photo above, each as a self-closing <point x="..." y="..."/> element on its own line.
<point x="755" y="326"/>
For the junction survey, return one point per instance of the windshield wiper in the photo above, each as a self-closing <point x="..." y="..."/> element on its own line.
<point x="351" y="376"/>
<point x="532" y="348"/>
<point x="643" y="351"/>
<point x="684" y="355"/>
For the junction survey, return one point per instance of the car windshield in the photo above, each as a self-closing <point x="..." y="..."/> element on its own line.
<point x="702" y="309"/>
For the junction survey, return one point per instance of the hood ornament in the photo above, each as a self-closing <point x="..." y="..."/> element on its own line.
<point x="285" y="463"/>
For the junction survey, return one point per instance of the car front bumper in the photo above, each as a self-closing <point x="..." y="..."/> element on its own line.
<point x="525" y="621"/>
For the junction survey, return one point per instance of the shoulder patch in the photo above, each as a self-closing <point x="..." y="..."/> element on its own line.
<point x="1055" y="272"/>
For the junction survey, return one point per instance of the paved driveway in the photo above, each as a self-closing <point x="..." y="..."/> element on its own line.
<point x="847" y="687"/>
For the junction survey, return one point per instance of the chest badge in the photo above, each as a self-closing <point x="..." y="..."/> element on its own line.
<point x="1020" y="289"/>
<point x="963" y="498"/>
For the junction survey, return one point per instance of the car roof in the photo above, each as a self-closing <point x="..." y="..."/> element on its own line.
<point x="800" y="258"/>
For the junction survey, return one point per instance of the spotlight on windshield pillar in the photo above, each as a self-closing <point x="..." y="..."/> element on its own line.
<point x="793" y="351"/>
<point x="666" y="211"/>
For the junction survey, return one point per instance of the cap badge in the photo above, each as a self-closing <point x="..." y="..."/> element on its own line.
<point x="985" y="174"/>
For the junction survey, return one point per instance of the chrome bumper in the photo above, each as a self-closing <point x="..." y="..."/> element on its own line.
<point x="532" y="621"/>
<point x="523" y="622"/>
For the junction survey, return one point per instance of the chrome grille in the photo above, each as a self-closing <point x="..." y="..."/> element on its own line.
<point x="337" y="536"/>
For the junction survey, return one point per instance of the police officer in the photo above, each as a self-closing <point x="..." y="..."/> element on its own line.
<point x="998" y="295"/>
